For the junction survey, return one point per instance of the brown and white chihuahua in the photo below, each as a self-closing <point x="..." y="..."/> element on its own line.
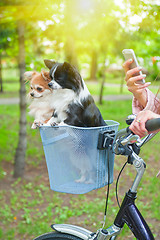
<point x="40" y="95"/>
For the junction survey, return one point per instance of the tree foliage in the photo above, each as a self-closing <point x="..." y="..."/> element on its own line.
<point x="77" y="29"/>
<point x="90" y="32"/>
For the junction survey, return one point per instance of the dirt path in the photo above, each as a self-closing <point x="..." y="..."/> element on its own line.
<point x="8" y="101"/>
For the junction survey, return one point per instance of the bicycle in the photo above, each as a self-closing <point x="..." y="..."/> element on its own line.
<point x="127" y="144"/>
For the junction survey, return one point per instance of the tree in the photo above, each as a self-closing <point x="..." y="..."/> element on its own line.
<point x="1" y="83"/>
<point x="5" y="32"/>
<point x="22" y="144"/>
<point x="21" y="15"/>
<point x="89" y="30"/>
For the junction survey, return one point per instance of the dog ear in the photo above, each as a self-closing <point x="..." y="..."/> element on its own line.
<point x="29" y="74"/>
<point x="46" y="76"/>
<point x="66" y="66"/>
<point x="49" y="63"/>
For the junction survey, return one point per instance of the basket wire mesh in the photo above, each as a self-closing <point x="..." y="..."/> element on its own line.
<point x="74" y="163"/>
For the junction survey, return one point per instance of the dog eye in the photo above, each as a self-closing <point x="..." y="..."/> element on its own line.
<point x="31" y="88"/>
<point x="39" y="89"/>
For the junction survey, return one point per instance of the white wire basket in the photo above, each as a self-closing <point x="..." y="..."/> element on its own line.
<point x="75" y="164"/>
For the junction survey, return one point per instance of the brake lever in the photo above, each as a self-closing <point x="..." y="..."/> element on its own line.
<point x="130" y="139"/>
<point x="123" y="139"/>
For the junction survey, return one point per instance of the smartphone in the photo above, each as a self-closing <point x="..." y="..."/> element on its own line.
<point x="129" y="54"/>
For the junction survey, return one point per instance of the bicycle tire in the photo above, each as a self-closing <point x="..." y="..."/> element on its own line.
<point x="57" y="236"/>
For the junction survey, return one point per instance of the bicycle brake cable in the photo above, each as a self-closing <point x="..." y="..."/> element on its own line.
<point x="118" y="182"/>
<point x="108" y="188"/>
<point x="107" y="193"/>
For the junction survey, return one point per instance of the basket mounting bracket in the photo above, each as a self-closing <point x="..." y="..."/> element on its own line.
<point x="105" y="139"/>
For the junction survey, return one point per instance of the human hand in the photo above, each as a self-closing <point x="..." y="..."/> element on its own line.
<point x="131" y="78"/>
<point x="138" y="125"/>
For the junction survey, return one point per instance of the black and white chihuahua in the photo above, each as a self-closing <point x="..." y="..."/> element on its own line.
<point x="72" y="101"/>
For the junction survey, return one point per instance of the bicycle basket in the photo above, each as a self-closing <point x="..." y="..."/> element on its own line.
<point x="74" y="163"/>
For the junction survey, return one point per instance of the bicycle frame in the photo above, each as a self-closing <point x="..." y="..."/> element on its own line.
<point x="128" y="212"/>
<point x="130" y="215"/>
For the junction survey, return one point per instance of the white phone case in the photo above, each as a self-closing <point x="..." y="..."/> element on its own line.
<point x="129" y="54"/>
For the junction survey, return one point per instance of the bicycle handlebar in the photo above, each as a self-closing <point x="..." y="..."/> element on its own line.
<point x="153" y="124"/>
<point x="126" y="136"/>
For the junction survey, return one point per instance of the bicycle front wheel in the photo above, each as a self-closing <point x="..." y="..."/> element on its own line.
<point x="57" y="236"/>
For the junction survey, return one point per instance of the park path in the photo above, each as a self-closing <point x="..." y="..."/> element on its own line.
<point x="118" y="97"/>
<point x="9" y="101"/>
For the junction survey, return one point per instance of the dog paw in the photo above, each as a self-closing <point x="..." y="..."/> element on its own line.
<point x="53" y="124"/>
<point x="33" y="126"/>
<point x="81" y="180"/>
<point x="36" y="124"/>
<point x="89" y="181"/>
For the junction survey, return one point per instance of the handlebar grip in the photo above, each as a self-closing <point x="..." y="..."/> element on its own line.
<point x="153" y="124"/>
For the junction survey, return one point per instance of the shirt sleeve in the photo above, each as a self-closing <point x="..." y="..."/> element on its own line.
<point x="153" y="104"/>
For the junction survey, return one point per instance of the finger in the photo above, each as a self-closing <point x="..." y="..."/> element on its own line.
<point x="142" y="127"/>
<point x="134" y="127"/>
<point x="133" y="71"/>
<point x="140" y="77"/>
<point x="138" y="128"/>
<point x="141" y="86"/>
<point x="141" y="120"/>
<point x="136" y="131"/>
<point x="132" y="80"/>
<point x="126" y="64"/>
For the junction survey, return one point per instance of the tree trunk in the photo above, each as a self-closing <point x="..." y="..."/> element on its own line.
<point x="1" y="83"/>
<point x="93" y="70"/>
<point x="70" y="51"/>
<point x="19" y="165"/>
<point x="103" y="76"/>
<point x="101" y="90"/>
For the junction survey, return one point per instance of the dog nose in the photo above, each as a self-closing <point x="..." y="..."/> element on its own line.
<point x="50" y="84"/>
<point x="32" y="94"/>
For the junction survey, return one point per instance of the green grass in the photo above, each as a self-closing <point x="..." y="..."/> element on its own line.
<point x="11" y="84"/>
<point x="10" y="75"/>
<point x="10" y="79"/>
<point x="109" y="89"/>
<point x="12" y="90"/>
<point x="29" y="207"/>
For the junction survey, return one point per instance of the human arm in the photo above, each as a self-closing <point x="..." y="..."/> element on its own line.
<point x="138" y="125"/>
<point x="138" y="90"/>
